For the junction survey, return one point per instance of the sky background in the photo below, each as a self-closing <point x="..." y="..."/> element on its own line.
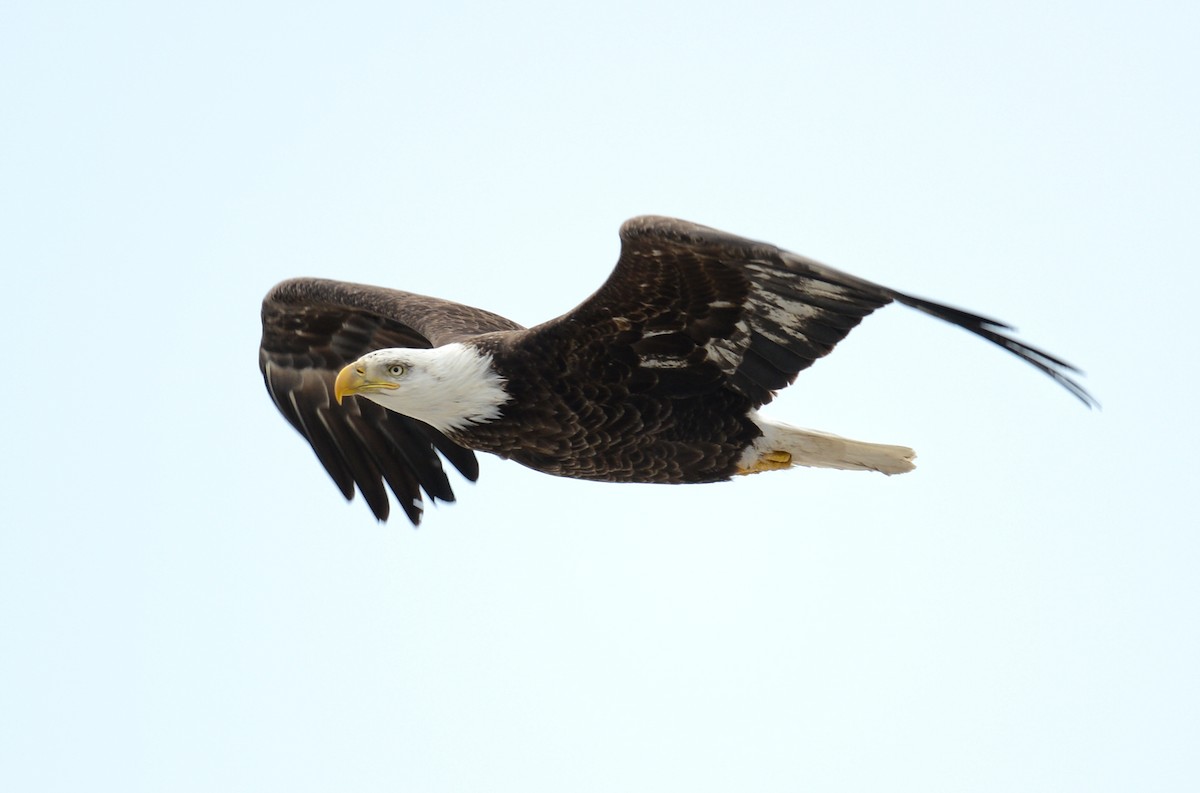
<point x="188" y="604"/>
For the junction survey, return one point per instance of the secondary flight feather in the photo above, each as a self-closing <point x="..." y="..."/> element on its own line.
<point x="657" y="377"/>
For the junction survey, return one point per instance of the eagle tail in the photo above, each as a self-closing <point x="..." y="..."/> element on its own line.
<point x="784" y="446"/>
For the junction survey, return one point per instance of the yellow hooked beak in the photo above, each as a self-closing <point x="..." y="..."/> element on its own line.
<point x="353" y="380"/>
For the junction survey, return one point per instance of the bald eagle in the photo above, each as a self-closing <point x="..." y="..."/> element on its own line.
<point x="657" y="377"/>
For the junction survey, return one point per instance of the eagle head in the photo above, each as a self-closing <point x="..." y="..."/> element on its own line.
<point x="449" y="387"/>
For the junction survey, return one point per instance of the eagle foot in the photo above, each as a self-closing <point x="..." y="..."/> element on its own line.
<point x="768" y="461"/>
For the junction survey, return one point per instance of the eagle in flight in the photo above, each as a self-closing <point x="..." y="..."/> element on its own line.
<point x="657" y="377"/>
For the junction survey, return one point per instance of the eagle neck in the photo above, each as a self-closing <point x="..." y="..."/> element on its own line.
<point x="470" y="390"/>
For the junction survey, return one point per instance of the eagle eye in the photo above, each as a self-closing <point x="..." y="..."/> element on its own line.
<point x="395" y="370"/>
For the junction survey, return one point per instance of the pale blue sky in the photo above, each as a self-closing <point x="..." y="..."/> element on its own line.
<point x="187" y="604"/>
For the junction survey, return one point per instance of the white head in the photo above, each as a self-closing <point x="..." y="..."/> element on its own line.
<point x="448" y="387"/>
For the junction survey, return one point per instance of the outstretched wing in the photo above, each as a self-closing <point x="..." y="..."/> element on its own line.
<point x="314" y="327"/>
<point x="694" y="308"/>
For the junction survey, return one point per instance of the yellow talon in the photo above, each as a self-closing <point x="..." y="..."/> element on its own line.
<point x="771" y="461"/>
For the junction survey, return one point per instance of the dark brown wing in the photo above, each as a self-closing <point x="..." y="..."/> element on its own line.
<point x="314" y="327"/>
<point x="698" y="308"/>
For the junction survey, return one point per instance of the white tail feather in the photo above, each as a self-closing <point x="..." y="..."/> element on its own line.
<point x="824" y="450"/>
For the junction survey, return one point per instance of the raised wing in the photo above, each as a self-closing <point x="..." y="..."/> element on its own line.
<point x="694" y="308"/>
<point x="314" y="327"/>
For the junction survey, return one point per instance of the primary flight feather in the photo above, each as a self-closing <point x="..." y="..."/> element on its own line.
<point x="657" y="377"/>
